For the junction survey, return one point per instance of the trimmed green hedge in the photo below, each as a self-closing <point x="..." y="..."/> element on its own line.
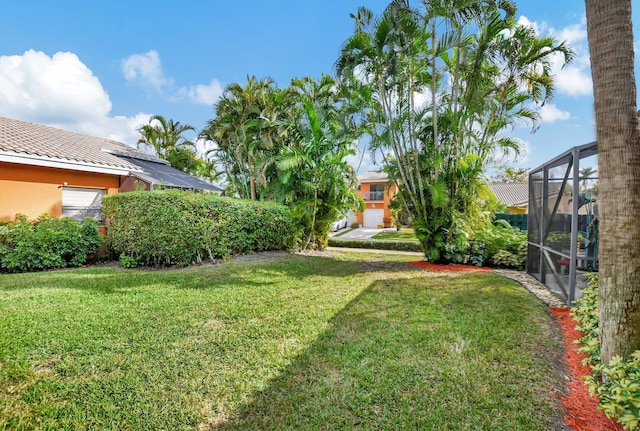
<point x="172" y="227"/>
<point x="376" y="244"/>
<point x="47" y="243"/>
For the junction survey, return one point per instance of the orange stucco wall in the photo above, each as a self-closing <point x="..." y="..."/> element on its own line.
<point x="129" y="184"/>
<point x="389" y="192"/>
<point x="35" y="190"/>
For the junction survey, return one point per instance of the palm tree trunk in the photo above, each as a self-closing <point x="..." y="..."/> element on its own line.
<point x="252" y="178"/>
<point x="313" y="219"/>
<point x="612" y="62"/>
<point x="434" y="87"/>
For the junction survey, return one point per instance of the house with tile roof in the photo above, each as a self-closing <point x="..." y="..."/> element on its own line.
<point x="514" y="195"/>
<point x="376" y="191"/>
<point x="48" y="170"/>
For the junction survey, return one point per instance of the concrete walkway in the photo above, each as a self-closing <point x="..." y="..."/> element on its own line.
<point x="360" y="233"/>
<point x="376" y="251"/>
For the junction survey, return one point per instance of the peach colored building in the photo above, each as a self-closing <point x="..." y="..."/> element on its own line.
<point x="48" y="170"/>
<point x="376" y="191"/>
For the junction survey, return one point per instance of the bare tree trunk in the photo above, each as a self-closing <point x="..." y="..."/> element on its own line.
<point x="252" y="178"/>
<point x="612" y="63"/>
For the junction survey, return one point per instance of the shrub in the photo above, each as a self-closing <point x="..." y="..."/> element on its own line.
<point x="618" y="384"/>
<point x="47" y="243"/>
<point x="585" y="313"/>
<point x="499" y="245"/>
<point x="128" y="261"/>
<point x="172" y="227"/>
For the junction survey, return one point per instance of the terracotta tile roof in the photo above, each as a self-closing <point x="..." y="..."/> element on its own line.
<point x="511" y="194"/>
<point x="370" y="177"/>
<point x="37" y="140"/>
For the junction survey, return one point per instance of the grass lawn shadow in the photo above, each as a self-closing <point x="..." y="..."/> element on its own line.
<point x="454" y="352"/>
<point x="334" y="341"/>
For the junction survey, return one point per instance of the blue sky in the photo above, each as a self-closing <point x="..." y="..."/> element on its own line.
<point x="104" y="67"/>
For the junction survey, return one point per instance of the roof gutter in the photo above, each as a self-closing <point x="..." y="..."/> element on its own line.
<point x="49" y="162"/>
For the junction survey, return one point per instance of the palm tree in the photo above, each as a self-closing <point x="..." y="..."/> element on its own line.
<point x="167" y="140"/>
<point x="373" y="57"/>
<point x="612" y="64"/>
<point x="319" y="182"/>
<point x="480" y="82"/>
<point x="244" y="134"/>
<point x="586" y="173"/>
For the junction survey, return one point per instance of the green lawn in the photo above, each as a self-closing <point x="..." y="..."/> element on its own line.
<point x="354" y="341"/>
<point x="404" y="234"/>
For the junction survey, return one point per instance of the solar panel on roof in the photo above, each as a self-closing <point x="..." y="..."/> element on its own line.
<point x="165" y="175"/>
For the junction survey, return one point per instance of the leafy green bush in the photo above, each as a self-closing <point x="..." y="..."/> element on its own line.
<point x="618" y="384"/>
<point x="171" y="227"/>
<point x="47" y="243"/>
<point x="499" y="245"/>
<point x="128" y="261"/>
<point x="585" y="313"/>
<point x="618" y="388"/>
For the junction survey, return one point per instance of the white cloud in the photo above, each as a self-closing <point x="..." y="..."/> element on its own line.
<point x="119" y="128"/>
<point x="145" y="69"/>
<point x="571" y="34"/>
<point x="537" y="27"/>
<point x="573" y="80"/>
<point x="551" y="113"/>
<point x="422" y="99"/>
<point x="61" y="91"/>
<point x="203" y="94"/>
<point x="45" y="88"/>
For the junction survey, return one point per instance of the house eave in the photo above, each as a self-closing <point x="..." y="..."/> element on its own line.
<point x="382" y="181"/>
<point x="49" y="162"/>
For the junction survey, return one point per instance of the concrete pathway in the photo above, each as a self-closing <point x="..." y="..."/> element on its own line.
<point x="376" y="251"/>
<point x="360" y="233"/>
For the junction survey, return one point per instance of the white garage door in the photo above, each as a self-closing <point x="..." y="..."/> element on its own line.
<point x="79" y="203"/>
<point x="373" y="218"/>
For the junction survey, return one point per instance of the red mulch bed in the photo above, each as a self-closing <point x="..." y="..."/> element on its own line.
<point x="582" y="409"/>
<point x="452" y="267"/>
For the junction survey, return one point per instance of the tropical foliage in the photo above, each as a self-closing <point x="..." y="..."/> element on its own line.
<point x="166" y="138"/>
<point x="289" y="145"/>
<point x="244" y="133"/>
<point x="478" y="72"/>
<point x="617" y="385"/>
<point x="509" y="174"/>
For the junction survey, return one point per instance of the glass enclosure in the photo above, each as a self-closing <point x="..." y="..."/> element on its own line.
<point x="563" y="221"/>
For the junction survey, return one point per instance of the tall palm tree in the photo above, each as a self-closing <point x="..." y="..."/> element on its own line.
<point x="319" y="181"/>
<point x="612" y="64"/>
<point x="243" y="132"/>
<point x="166" y="137"/>
<point x="480" y="81"/>
<point x="586" y="173"/>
